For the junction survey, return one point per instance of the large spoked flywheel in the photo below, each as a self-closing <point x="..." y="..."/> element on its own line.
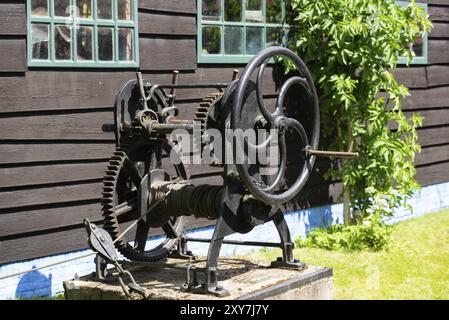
<point x="126" y="199"/>
<point x="249" y="109"/>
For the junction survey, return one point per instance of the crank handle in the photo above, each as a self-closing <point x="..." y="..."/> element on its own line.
<point x="336" y="154"/>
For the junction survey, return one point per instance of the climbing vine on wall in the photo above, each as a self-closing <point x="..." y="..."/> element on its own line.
<point x="351" y="48"/>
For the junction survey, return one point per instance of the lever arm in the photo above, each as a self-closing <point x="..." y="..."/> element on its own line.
<point x="336" y="154"/>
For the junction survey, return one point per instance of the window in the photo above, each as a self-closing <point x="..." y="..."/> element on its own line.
<point x="419" y="47"/>
<point x="82" y="33"/>
<point x="232" y="31"/>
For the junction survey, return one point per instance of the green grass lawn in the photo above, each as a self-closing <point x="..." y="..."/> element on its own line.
<point x="415" y="266"/>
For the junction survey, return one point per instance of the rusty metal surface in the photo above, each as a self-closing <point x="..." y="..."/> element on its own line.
<point x="137" y="177"/>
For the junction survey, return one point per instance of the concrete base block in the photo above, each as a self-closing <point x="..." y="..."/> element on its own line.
<point x="245" y="280"/>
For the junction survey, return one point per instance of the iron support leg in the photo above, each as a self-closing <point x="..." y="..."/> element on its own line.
<point x="287" y="260"/>
<point x="100" y="268"/>
<point x="222" y="229"/>
<point x="181" y="251"/>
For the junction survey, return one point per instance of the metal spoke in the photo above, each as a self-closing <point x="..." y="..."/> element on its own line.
<point x="141" y="235"/>
<point x="282" y="167"/>
<point x="259" y="94"/>
<point x="125" y="207"/>
<point x="282" y="93"/>
<point x="132" y="172"/>
<point x="169" y="230"/>
<point x="257" y="147"/>
<point x="299" y="128"/>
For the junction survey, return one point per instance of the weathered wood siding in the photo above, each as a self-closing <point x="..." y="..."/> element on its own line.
<point x="54" y="140"/>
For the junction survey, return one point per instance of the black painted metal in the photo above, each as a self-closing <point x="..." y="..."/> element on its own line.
<point x="241" y="243"/>
<point x="277" y="120"/>
<point x="138" y="189"/>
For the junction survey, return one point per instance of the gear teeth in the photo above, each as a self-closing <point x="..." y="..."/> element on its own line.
<point x="201" y="115"/>
<point x="110" y="221"/>
<point x="202" y="111"/>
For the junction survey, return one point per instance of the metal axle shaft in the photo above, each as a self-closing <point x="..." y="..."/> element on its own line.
<point x="336" y="154"/>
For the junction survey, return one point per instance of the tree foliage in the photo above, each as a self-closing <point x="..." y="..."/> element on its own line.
<point x="351" y="48"/>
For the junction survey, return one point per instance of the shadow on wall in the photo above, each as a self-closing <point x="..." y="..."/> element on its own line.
<point x="34" y="284"/>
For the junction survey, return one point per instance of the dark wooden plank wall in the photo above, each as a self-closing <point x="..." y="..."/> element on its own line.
<point x="54" y="140"/>
<point x="429" y="88"/>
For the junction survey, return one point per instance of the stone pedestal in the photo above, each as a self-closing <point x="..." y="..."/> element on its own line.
<point x="245" y="280"/>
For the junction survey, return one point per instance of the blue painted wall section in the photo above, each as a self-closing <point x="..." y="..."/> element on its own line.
<point x="48" y="282"/>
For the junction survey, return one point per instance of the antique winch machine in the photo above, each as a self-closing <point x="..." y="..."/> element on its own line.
<point x="141" y="194"/>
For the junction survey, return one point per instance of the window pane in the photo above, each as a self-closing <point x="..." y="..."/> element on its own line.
<point x="254" y="40"/>
<point x="104" y="9"/>
<point x="84" y="8"/>
<point x="274" y="11"/>
<point x="39" y="39"/>
<point x="233" y="10"/>
<point x="84" y="43"/>
<point x="211" y="9"/>
<point x="105" y="44"/>
<point x="39" y="7"/>
<point x="124" y="10"/>
<point x="62" y="8"/>
<point x="253" y="12"/>
<point x="274" y="37"/>
<point x="417" y="47"/>
<point x="211" y="40"/>
<point x="125" y="44"/>
<point x="233" y="40"/>
<point x="63" y="42"/>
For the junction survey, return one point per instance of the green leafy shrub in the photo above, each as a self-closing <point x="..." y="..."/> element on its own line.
<point x="372" y="234"/>
<point x="351" y="48"/>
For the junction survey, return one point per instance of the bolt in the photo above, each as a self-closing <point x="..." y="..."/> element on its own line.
<point x="260" y="121"/>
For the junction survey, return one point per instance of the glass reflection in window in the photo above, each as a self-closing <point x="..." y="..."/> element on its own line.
<point x="40" y="39"/>
<point x="233" y="40"/>
<point x="124" y="9"/>
<point x="211" y="10"/>
<point x="104" y="9"/>
<point x="62" y="8"/>
<point x="125" y="44"/>
<point x="39" y="7"/>
<point x="274" y="11"/>
<point x="274" y="37"/>
<point x="211" y="40"/>
<point x="253" y="11"/>
<point x="105" y="44"/>
<point x="84" y="8"/>
<point x="84" y="43"/>
<point x="254" y="40"/>
<point x="63" y="42"/>
<point x="233" y="10"/>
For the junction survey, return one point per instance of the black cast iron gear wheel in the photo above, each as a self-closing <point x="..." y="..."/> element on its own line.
<point x="203" y="110"/>
<point x="119" y="205"/>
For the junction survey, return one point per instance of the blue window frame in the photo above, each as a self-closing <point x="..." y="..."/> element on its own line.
<point x="82" y="33"/>
<point x="232" y="31"/>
